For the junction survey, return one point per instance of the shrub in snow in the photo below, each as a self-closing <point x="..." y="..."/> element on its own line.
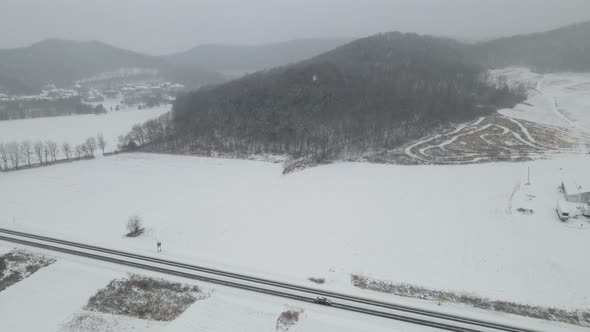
<point x="134" y="226"/>
<point x="287" y="320"/>
<point x="317" y="280"/>
<point x="145" y="298"/>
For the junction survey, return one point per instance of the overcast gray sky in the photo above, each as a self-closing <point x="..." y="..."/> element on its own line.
<point x="164" y="26"/>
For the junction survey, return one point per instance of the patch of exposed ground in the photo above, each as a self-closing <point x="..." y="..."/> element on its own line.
<point x="578" y="317"/>
<point x="145" y="298"/>
<point x="288" y="319"/>
<point x="317" y="280"/>
<point x="492" y="138"/>
<point x="526" y="211"/>
<point x="18" y="265"/>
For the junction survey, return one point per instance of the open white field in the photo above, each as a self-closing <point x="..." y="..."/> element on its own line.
<point x="58" y="294"/>
<point x="443" y="227"/>
<point x="559" y="99"/>
<point x="75" y="129"/>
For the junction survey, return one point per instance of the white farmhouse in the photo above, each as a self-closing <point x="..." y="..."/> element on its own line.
<point x="577" y="193"/>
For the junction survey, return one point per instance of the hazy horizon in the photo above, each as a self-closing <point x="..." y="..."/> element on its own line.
<point x="154" y="27"/>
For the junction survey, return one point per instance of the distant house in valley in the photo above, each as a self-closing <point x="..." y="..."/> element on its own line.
<point x="112" y="94"/>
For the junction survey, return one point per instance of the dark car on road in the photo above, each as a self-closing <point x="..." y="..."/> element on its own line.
<point x="322" y="300"/>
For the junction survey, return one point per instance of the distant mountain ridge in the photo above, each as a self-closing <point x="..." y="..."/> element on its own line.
<point x="562" y="49"/>
<point x="10" y="85"/>
<point x="62" y="62"/>
<point x="240" y="59"/>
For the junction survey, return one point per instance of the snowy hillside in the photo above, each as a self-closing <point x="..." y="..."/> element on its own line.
<point x="557" y="99"/>
<point x="449" y="227"/>
<point x="554" y="120"/>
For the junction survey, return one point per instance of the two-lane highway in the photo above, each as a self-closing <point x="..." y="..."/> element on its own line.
<point x="427" y="318"/>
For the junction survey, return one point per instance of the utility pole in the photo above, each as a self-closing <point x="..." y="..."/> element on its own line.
<point x="528" y="183"/>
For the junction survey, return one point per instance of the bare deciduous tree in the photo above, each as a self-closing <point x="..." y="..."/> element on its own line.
<point x="13" y="149"/>
<point x="138" y="134"/>
<point x="52" y="150"/>
<point x="84" y="150"/>
<point x="79" y="151"/>
<point x="4" y="155"/>
<point x="27" y="151"/>
<point x="102" y="143"/>
<point x="134" y="226"/>
<point x="38" y="147"/>
<point x="66" y="149"/>
<point x="46" y="152"/>
<point x="90" y="145"/>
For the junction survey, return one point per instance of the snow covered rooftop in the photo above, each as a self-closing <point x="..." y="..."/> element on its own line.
<point x="576" y="184"/>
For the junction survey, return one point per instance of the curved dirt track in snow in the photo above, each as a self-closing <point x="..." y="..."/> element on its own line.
<point x="492" y="138"/>
<point x="533" y="129"/>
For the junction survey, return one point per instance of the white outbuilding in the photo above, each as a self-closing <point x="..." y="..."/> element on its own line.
<point x="577" y="192"/>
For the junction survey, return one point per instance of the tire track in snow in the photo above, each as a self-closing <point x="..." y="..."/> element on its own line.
<point x="579" y="131"/>
<point x="514" y="142"/>
<point x="459" y="128"/>
<point x="555" y="108"/>
<point x="479" y="121"/>
<point x="452" y="140"/>
<point x="504" y="132"/>
<point x="455" y="138"/>
<point x="458" y="155"/>
<point x="518" y="137"/>
<point x="523" y="129"/>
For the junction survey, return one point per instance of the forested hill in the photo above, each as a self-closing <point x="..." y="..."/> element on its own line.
<point x="375" y="92"/>
<point x="62" y="62"/>
<point x="563" y="49"/>
<point x="11" y="85"/>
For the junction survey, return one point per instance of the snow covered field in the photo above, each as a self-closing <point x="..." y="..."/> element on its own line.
<point x="448" y="227"/>
<point x="561" y="99"/>
<point x="75" y="129"/>
<point x="57" y="294"/>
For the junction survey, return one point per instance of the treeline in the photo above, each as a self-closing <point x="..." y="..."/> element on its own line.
<point x="43" y="107"/>
<point x="16" y="155"/>
<point x="158" y="133"/>
<point x="377" y="92"/>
